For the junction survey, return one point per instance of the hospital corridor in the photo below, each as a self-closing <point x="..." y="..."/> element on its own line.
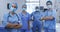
<point x="29" y="15"/>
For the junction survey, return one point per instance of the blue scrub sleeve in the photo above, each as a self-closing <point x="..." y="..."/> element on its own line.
<point x="20" y="21"/>
<point x="5" y="22"/>
<point x="54" y="14"/>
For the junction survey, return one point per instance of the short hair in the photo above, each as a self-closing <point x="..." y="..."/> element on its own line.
<point x="49" y="2"/>
<point x="24" y="5"/>
<point x="36" y="7"/>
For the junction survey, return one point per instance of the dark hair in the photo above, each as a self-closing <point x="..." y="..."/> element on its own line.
<point x="24" y="5"/>
<point x="49" y="2"/>
<point x="41" y="7"/>
<point x="8" y="5"/>
<point x="45" y="9"/>
<point x="36" y="7"/>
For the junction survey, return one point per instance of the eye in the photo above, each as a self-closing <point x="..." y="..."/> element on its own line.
<point x="13" y="5"/>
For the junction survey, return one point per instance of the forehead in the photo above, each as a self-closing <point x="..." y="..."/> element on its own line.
<point x="49" y="3"/>
<point x="24" y="6"/>
<point x="13" y="4"/>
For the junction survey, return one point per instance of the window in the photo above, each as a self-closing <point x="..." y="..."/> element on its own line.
<point x="31" y="4"/>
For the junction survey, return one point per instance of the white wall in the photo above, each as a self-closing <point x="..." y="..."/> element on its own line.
<point x="58" y="10"/>
<point x="3" y="6"/>
<point x="43" y="3"/>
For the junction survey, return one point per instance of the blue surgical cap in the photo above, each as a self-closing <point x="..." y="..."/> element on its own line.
<point x="10" y="5"/>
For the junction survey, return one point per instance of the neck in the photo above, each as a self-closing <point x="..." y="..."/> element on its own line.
<point x="50" y="9"/>
<point x="24" y="12"/>
<point x="12" y="13"/>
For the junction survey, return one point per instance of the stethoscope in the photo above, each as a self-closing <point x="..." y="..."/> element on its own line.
<point x="9" y="21"/>
<point x="11" y="16"/>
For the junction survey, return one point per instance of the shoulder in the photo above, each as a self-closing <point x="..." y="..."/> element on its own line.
<point x="20" y="13"/>
<point x="54" y="11"/>
<point x="6" y="15"/>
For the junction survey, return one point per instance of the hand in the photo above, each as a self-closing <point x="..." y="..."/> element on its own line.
<point x="17" y="26"/>
<point x="49" y="17"/>
<point x="42" y="18"/>
<point x="9" y="25"/>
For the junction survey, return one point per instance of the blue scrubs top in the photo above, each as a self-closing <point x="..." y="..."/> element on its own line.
<point x="8" y="18"/>
<point x="37" y="16"/>
<point x="25" y="19"/>
<point x="50" y="24"/>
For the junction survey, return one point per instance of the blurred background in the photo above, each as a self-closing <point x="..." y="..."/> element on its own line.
<point x="31" y="4"/>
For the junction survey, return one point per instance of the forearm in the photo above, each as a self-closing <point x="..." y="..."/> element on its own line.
<point x="9" y="25"/>
<point x="47" y="18"/>
<point x="17" y="26"/>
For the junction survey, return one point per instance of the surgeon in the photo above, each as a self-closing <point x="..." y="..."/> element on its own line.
<point x="36" y="17"/>
<point x="50" y="18"/>
<point x="11" y="20"/>
<point x="25" y="19"/>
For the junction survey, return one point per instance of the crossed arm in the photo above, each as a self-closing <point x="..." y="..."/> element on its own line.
<point x="9" y="25"/>
<point x="47" y="18"/>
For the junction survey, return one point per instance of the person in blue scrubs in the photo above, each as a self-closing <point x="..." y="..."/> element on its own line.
<point x="11" y="20"/>
<point x="50" y="18"/>
<point x="25" y="19"/>
<point x="36" y="17"/>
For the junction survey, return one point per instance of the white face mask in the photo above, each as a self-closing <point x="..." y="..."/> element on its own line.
<point x="13" y="9"/>
<point x="24" y="8"/>
<point x="37" y="9"/>
<point x="49" y="6"/>
<point x="41" y="10"/>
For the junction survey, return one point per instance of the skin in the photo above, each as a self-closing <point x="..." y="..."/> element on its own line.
<point x="48" y="18"/>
